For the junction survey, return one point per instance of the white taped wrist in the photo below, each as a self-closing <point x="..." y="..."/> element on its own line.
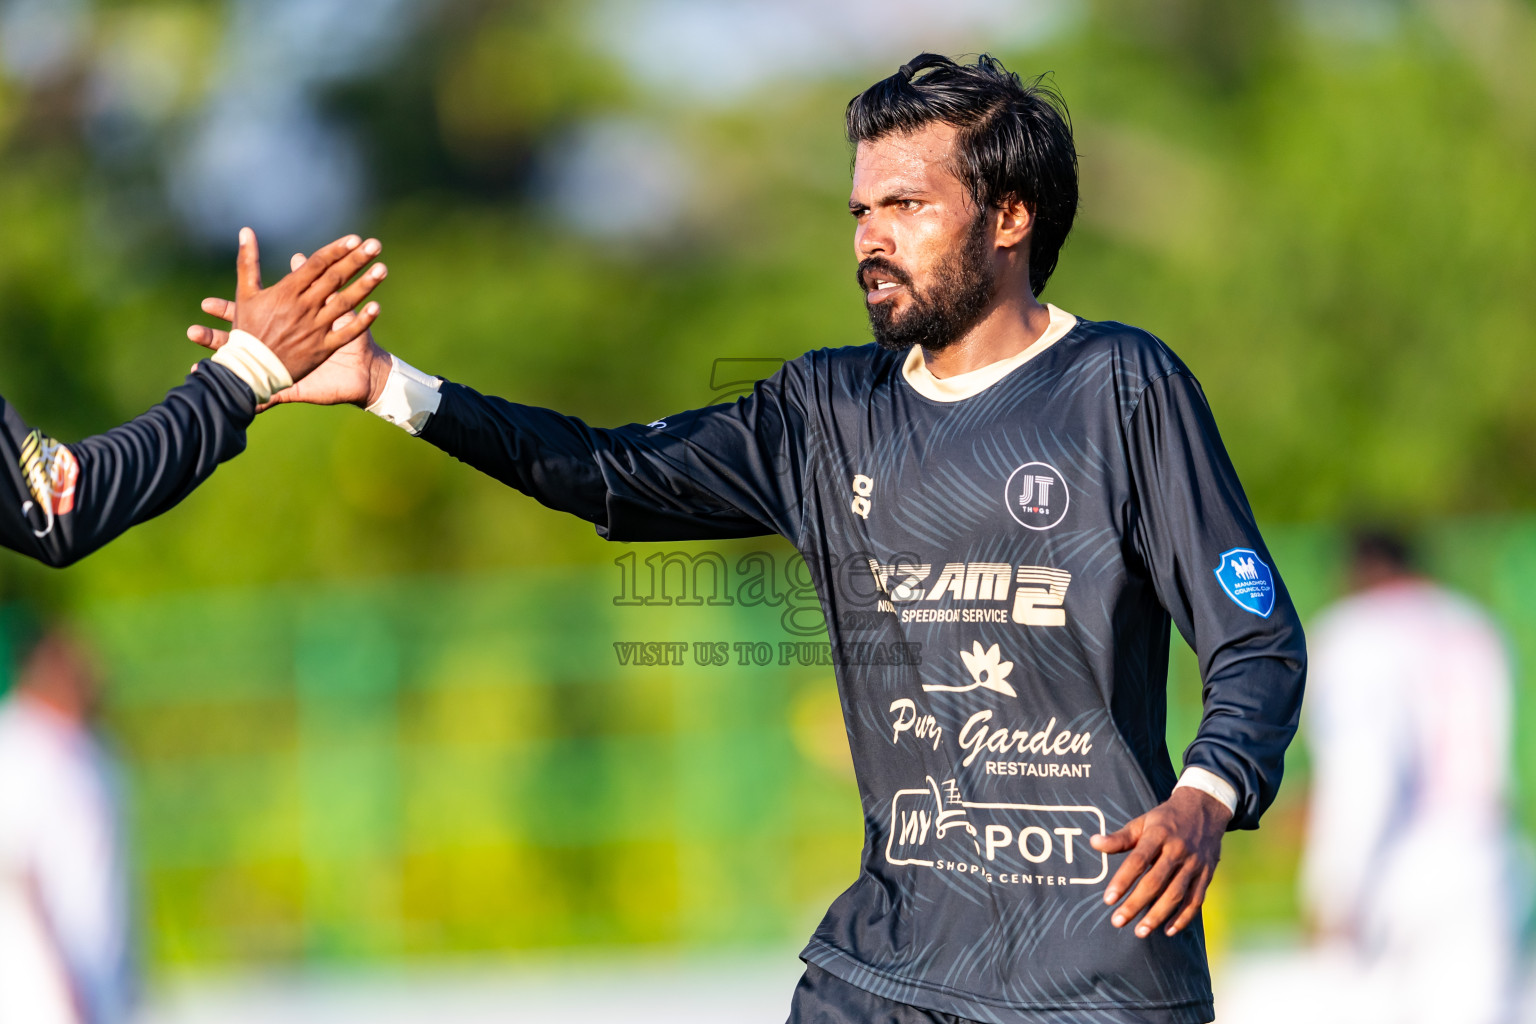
<point x="409" y="398"/>
<point x="247" y="358"/>
<point x="1210" y="783"/>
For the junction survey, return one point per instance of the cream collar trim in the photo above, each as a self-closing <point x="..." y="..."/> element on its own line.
<point x="973" y="382"/>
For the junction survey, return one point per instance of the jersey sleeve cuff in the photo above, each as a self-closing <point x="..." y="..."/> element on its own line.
<point x="247" y="358"/>
<point x="1210" y="783"/>
<point x="409" y="398"/>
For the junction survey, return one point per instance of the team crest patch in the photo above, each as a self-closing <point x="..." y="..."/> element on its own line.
<point x="1247" y="580"/>
<point x="51" y="472"/>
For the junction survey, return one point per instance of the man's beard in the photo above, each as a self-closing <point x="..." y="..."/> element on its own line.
<point x="964" y="284"/>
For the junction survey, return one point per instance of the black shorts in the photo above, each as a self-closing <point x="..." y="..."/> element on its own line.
<point x="824" y="998"/>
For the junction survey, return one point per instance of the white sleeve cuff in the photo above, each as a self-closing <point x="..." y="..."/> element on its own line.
<point x="409" y="398"/>
<point x="247" y="358"/>
<point x="1211" y="783"/>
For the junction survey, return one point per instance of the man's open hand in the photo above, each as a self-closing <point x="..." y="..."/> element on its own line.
<point x="353" y="374"/>
<point x="1174" y="849"/>
<point x="300" y="318"/>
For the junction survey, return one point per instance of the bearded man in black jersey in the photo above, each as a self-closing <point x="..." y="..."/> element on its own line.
<point x="1037" y="498"/>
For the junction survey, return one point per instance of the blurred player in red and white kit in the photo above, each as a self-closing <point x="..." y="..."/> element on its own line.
<point x="65" y="932"/>
<point x="59" y="502"/>
<point x="1407" y="847"/>
<point x="1406" y="875"/>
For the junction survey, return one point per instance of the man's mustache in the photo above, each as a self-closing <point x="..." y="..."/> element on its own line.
<point x="883" y="265"/>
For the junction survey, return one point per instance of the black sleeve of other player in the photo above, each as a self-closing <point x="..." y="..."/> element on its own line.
<point x="120" y="478"/>
<point x="1190" y="510"/>
<point x="718" y="472"/>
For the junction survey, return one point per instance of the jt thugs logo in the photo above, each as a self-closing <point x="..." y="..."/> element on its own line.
<point x="1247" y="581"/>
<point x="1037" y="496"/>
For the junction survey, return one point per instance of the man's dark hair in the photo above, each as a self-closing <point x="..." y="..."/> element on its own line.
<point x="1014" y="141"/>
<point x="1382" y="545"/>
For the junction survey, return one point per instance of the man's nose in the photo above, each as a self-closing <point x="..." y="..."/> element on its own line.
<point x="871" y="238"/>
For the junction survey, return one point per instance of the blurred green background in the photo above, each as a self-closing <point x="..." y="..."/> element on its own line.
<point x="370" y="702"/>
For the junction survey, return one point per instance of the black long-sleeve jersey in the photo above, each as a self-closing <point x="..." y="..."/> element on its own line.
<point x="998" y="575"/>
<point x="59" y="503"/>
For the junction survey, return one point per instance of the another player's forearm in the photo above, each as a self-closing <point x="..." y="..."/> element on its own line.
<point x="70" y="500"/>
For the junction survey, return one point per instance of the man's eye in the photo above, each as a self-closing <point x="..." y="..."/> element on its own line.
<point x="910" y="204"/>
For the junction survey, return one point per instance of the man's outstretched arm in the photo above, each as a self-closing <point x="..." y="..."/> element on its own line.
<point x="714" y="473"/>
<point x="723" y="471"/>
<point x="59" y="503"/>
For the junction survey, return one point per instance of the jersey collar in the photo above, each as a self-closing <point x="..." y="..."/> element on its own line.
<point x="965" y="385"/>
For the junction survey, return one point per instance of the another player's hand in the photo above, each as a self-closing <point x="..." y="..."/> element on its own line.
<point x="1173" y="850"/>
<point x="299" y="317"/>
<point x="355" y="373"/>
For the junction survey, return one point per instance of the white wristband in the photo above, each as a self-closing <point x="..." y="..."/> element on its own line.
<point x="409" y="398"/>
<point x="247" y="358"/>
<point x="1210" y="783"/>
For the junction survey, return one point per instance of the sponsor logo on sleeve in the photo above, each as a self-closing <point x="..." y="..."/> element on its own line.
<point x="1037" y="496"/>
<point x="1247" y="581"/>
<point x="51" y="472"/>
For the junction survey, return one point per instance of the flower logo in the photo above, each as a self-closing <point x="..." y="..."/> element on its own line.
<point x="988" y="671"/>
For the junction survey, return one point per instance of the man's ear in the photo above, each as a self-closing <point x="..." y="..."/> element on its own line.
<point x="1015" y="221"/>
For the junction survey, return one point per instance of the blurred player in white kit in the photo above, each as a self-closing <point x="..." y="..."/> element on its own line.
<point x="65" y="935"/>
<point x="1406" y="873"/>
